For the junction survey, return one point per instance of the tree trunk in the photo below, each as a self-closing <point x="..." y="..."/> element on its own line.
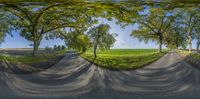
<point x="37" y="39"/>
<point x="94" y="51"/>
<point x="160" y="43"/>
<point x="35" y="48"/>
<point x="198" y="47"/>
<point x="190" y="43"/>
<point x="198" y="44"/>
<point x="190" y="34"/>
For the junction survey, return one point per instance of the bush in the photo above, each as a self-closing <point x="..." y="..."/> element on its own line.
<point x="59" y="47"/>
<point x="48" y="48"/>
<point x="55" y="47"/>
<point x="63" y="47"/>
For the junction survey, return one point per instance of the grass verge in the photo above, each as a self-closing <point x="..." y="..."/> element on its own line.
<point x="184" y="53"/>
<point x="124" y="59"/>
<point x="28" y="59"/>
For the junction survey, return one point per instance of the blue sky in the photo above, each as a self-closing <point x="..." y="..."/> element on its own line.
<point x="123" y="39"/>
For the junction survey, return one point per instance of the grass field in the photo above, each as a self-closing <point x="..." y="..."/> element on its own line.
<point x="29" y="59"/>
<point x="124" y="59"/>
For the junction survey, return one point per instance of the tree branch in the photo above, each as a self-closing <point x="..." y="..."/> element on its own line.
<point x="21" y="10"/>
<point x="151" y="28"/>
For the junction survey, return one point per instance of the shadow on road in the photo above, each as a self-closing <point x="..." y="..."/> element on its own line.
<point x="75" y="78"/>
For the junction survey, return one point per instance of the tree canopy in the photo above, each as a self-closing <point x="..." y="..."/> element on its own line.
<point x="101" y="37"/>
<point x="173" y="23"/>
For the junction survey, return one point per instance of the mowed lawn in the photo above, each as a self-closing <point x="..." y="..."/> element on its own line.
<point x="123" y="59"/>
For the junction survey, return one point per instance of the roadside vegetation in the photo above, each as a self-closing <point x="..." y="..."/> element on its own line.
<point x="185" y="54"/>
<point x="123" y="59"/>
<point x="26" y="63"/>
<point x="28" y="59"/>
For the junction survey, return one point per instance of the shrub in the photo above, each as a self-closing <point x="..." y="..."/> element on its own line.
<point x="58" y="47"/>
<point x="63" y="47"/>
<point x="48" y="48"/>
<point x="55" y="47"/>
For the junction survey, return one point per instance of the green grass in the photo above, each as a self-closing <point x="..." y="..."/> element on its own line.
<point x="29" y="59"/>
<point x="124" y="59"/>
<point x="185" y="53"/>
<point x="195" y="56"/>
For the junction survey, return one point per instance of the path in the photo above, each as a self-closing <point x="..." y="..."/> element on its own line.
<point x="75" y="78"/>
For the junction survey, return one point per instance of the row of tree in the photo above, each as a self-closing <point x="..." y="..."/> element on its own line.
<point x="175" y="28"/>
<point x="55" y="47"/>
<point x="171" y="24"/>
<point x="97" y="37"/>
<point x="52" y="20"/>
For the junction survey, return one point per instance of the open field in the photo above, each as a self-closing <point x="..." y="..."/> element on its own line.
<point x="22" y="61"/>
<point x="22" y="51"/>
<point x="123" y="59"/>
<point x="25" y="55"/>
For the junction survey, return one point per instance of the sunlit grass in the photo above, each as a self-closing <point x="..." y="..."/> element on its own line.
<point x="123" y="52"/>
<point x="124" y="59"/>
<point x="185" y="53"/>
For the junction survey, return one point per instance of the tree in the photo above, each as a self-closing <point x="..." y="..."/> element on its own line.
<point x="58" y="47"/>
<point x="198" y="42"/>
<point x="187" y="23"/>
<point x="48" y="48"/>
<point x="174" y="39"/>
<point x="34" y="23"/>
<point x="77" y="40"/>
<point x="83" y="43"/>
<point x="63" y="47"/>
<point x="101" y="38"/>
<point x="197" y="31"/>
<point x="71" y="39"/>
<point x="153" y="25"/>
<point x="55" y="47"/>
<point x="5" y="29"/>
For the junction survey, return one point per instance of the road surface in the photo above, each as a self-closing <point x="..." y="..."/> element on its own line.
<point x="75" y="78"/>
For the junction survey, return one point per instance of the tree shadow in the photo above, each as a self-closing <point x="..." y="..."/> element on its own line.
<point x="74" y="77"/>
<point x="67" y="78"/>
<point x="193" y="62"/>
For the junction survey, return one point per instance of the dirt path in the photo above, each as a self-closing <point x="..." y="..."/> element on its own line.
<point x="74" y="78"/>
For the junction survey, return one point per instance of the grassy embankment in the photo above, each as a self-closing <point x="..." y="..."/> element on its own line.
<point x="28" y="59"/>
<point x="124" y="59"/>
<point x="185" y="53"/>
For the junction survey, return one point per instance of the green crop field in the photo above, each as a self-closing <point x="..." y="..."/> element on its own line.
<point x="123" y="59"/>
